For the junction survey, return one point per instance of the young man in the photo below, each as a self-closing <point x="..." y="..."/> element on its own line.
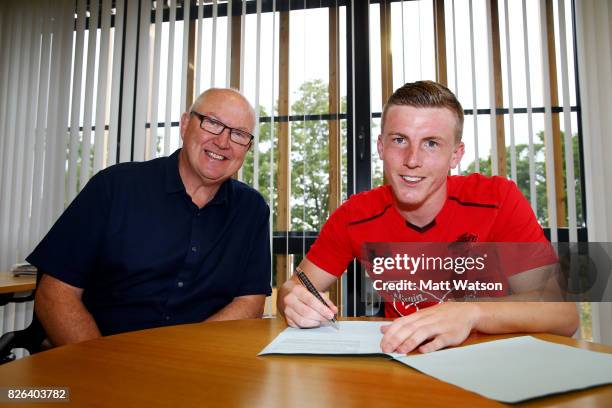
<point x="167" y="241"/>
<point x="420" y="142"/>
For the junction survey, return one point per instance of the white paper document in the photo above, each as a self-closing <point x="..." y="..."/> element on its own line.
<point x="352" y="338"/>
<point x="516" y="369"/>
<point x="510" y="370"/>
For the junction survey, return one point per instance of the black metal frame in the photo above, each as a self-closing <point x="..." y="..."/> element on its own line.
<point x="359" y="172"/>
<point x="31" y="338"/>
<point x="579" y="122"/>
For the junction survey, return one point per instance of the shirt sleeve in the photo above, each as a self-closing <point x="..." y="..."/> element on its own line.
<point x="70" y="249"/>
<point x="523" y="245"/>
<point x="332" y="250"/>
<point x="516" y="221"/>
<point x="257" y="274"/>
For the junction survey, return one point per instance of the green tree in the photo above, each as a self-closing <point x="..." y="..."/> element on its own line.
<point x="309" y="158"/>
<point x="523" y="179"/>
<point x="266" y="149"/>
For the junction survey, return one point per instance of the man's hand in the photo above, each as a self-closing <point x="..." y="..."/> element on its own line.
<point x="300" y="307"/>
<point x="303" y="309"/>
<point x="449" y="324"/>
<point x="242" y="307"/>
<point x="446" y="324"/>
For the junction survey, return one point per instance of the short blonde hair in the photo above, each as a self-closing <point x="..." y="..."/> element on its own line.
<point x="427" y="94"/>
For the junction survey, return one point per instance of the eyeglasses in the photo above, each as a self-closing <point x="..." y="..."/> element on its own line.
<point x="216" y="128"/>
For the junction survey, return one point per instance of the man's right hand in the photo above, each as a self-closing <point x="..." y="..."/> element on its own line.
<point x="301" y="308"/>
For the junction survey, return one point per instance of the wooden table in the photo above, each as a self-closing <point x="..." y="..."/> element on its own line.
<point x="215" y="364"/>
<point x="14" y="284"/>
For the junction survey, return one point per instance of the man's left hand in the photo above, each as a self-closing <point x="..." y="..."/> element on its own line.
<point x="446" y="324"/>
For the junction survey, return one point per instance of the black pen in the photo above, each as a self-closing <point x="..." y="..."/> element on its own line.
<point x="310" y="287"/>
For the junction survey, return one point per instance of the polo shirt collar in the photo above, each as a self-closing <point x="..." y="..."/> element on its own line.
<point x="222" y="196"/>
<point x="174" y="183"/>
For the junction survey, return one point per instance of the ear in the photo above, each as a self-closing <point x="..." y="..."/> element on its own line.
<point x="184" y="123"/>
<point x="379" y="147"/>
<point x="457" y="155"/>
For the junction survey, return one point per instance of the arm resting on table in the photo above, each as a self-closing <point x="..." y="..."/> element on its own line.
<point x="545" y="315"/>
<point x="242" y="307"/>
<point x="530" y="317"/>
<point x="450" y="323"/>
<point x="520" y="313"/>
<point x="59" y="308"/>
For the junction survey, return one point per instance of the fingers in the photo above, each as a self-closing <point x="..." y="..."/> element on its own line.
<point x="290" y="322"/>
<point x="445" y="325"/>
<point x="404" y="335"/>
<point x="298" y="321"/>
<point x="308" y="300"/>
<point x="385" y="328"/>
<point x="330" y="305"/>
<point x="303" y="309"/>
<point x="396" y="332"/>
<point x="418" y="339"/>
<point x="439" y="342"/>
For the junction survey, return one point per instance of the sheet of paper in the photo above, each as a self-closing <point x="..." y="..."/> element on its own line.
<point x="352" y="338"/>
<point x="515" y="369"/>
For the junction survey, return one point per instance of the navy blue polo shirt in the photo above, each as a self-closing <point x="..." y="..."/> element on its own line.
<point x="146" y="256"/>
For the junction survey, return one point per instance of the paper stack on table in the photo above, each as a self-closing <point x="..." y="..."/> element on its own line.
<point x="23" y="269"/>
<point x="509" y="370"/>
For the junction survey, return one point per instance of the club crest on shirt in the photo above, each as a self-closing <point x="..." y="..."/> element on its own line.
<point x="467" y="237"/>
<point x="462" y="246"/>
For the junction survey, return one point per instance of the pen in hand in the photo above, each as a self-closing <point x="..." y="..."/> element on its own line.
<point x="310" y="287"/>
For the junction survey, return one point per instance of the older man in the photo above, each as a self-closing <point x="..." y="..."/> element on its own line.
<point x="168" y="241"/>
<point x="420" y="142"/>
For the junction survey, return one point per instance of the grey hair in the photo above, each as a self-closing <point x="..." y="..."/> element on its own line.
<point x="201" y="97"/>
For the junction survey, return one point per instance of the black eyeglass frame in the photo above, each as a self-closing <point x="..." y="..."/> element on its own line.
<point x="224" y="126"/>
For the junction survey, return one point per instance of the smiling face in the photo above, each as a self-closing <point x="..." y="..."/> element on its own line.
<point x="208" y="159"/>
<point x="418" y="148"/>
